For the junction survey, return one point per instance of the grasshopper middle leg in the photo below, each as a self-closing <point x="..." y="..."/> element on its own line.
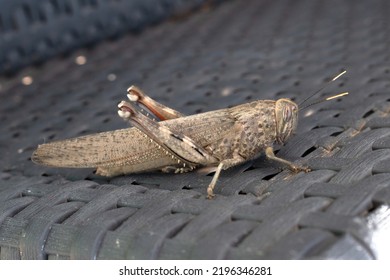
<point x="223" y="165"/>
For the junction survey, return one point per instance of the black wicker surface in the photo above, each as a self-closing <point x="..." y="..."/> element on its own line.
<point x="32" y="31"/>
<point x="219" y="57"/>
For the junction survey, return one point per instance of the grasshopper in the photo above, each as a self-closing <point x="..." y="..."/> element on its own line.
<point x="178" y="143"/>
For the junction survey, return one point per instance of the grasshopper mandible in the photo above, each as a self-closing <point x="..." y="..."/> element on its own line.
<point x="179" y="143"/>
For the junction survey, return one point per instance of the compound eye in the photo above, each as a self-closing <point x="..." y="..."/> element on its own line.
<point x="287" y="114"/>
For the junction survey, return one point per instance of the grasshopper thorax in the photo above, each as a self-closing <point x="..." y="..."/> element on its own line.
<point x="286" y="115"/>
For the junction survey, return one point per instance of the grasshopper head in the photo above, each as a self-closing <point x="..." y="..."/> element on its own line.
<point x="286" y="112"/>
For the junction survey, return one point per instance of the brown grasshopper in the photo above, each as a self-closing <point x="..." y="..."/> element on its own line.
<point x="221" y="138"/>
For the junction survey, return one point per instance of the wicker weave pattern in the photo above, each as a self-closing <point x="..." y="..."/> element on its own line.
<point x="239" y="51"/>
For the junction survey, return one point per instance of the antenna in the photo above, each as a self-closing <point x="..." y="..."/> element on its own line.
<point x="325" y="99"/>
<point x="319" y="90"/>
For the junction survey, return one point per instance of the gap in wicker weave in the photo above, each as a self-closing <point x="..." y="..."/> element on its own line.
<point x="369" y="113"/>
<point x="372" y="208"/>
<point x="336" y="133"/>
<point x="309" y="151"/>
<point x="269" y="177"/>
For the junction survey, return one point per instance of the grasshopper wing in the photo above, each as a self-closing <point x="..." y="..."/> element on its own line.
<point x="112" y="148"/>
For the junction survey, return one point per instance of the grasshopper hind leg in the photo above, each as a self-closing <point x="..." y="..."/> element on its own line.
<point x="179" y="146"/>
<point x="159" y="110"/>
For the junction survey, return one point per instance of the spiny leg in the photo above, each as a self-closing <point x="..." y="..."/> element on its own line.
<point x="159" y="110"/>
<point x="176" y="170"/>
<point x="269" y="152"/>
<point x="223" y="165"/>
<point x="179" y="146"/>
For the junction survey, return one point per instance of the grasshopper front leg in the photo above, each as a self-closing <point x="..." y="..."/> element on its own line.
<point x="159" y="110"/>
<point x="269" y="153"/>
